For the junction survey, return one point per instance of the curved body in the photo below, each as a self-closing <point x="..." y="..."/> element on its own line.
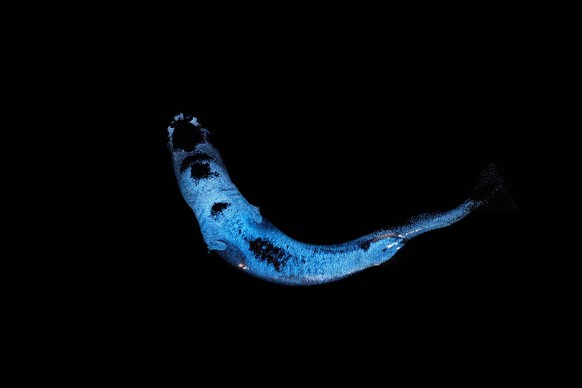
<point x="236" y="230"/>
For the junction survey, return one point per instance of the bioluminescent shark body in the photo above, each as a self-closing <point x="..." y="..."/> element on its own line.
<point x="235" y="229"/>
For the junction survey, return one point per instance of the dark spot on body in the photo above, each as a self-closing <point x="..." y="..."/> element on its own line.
<point x="266" y="251"/>
<point x="186" y="135"/>
<point x="200" y="168"/>
<point x="218" y="207"/>
<point x="201" y="171"/>
<point x="193" y="159"/>
<point x="366" y="245"/>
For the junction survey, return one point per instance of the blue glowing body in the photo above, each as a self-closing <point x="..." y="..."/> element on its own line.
<point x="235" y="229"/>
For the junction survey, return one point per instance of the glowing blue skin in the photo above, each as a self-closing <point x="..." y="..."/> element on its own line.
<point x="244" y="238"/>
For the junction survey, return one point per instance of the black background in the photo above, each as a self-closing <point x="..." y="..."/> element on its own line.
<point x="335" y="123"/>
<point x="333" y="141"/>
<point x="333" y="134"/>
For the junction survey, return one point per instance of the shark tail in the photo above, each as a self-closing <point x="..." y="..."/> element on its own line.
<point x="489" y="194"/>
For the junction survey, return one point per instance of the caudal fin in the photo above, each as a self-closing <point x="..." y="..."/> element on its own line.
<point x="488" y="190"/>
